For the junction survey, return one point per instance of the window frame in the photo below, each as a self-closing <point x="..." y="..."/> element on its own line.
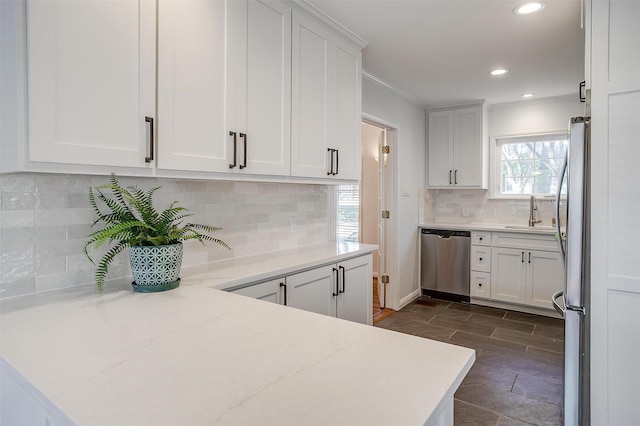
<point x="495" y="162"/>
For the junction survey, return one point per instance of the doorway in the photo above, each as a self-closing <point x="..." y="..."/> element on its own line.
<point x="374" y="202"/>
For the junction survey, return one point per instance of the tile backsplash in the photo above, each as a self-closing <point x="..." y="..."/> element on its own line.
<point x="45" y="219"/>
<point x="449" y="205"/>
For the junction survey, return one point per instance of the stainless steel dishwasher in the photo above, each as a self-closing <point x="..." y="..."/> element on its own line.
<point x="444" y="264"/>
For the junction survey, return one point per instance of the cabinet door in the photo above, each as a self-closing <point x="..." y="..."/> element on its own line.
<point x="315" y="290"/>
<point x="544" y="277"/>
<point x="311" y="98"/>
<point x="508" y="275"/>
<point x="270" y="291"/>
<point x="467" y="147"/>
<point x="355" y="287"/>
<point x="347" y="109"/>
<point x="265" y="117"/>
<point x="440" y="148"/>
<point x="194" y="63"/>
<point x="91" y="81"/>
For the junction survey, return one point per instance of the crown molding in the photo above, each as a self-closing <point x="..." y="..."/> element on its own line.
<point x="327" y="21"/>
<point x="380" y="82"/>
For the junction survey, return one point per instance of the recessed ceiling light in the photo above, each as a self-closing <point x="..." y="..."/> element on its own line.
<point x="528" y="7"/>
<point x="499" y="71"/>
<point x="527" y="95"/>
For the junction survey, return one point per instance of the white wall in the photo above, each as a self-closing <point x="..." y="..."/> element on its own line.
<point x="369" y="188"/>
<point x="409" y="149"/>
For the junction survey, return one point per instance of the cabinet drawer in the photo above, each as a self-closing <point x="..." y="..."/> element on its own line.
<point x="481" y="258"/>
<point x="480" y="285"/>
<point x="526" y="241"/>
<point x="481" y="238"/>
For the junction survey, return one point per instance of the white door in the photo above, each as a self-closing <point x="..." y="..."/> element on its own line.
<point x="467" y="147"/>
<point x="383" y="272"/>
<point x="508" y="275"/>
<point x="355" y="293"/>
<point x="264" y="134"/>
<point x="544" y="277"/>
<point x="440" y="149"/>
<point x="315" y="290"/>
<point x="91" y="81"/>
<point x="615" y="202"/>
<point x="269" y="291"/>
<point x="311" y="97"/>
<point x="194" y="95"/>
<point x="346" y="109"/>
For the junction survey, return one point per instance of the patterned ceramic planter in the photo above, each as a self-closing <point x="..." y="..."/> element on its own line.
<point x="156" y="268"/>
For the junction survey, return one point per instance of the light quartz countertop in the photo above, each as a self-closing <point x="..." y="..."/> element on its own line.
<point x="197" y="355"/>
<point x="492" y="227"/>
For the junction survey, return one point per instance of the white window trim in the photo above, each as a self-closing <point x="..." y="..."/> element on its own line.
<point x="495" y="158"/>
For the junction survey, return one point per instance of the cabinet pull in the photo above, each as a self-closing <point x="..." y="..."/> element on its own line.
<point x="479" y="284"/>
<point x="151" y="143"/>
<point x="244" y="162"/>
<point x="343" y="281"/>
<point x="285" y="292"/>
<point x="330" y="172"/>
<point x="235" y="150"/>
<point x="450" y="177"/>
<point x="337" y="161"/>
<point x="455" y="177"/>
<point x="480" y="259"/>
<point x="480" y="238"/>
<point x="336" y="280"/>
<point x="522" y="256"/>
<point x="529" y="257"/>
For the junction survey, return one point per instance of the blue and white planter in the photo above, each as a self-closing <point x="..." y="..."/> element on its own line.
<point x="156" y="268"/>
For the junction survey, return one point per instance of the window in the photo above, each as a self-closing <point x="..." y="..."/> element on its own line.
<point x="348" y="214"/>
<point x="531" y="164"/>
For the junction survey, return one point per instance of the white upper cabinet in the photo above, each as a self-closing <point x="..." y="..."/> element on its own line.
<point x="264" y="101"/>
<point x="326" y="103"/>
<point x="224" y="86"/>
<point x="458" y="148"/>
<point x="91" y="81"/>
<point x="194" y="64"/>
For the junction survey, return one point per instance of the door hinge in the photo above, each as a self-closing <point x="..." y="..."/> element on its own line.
<point x="386" y="214"/>
<point x="386" y="149"/>
<point x="384" y="279"/>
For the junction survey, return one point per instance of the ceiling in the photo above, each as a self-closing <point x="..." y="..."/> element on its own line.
<point x="440" y="52"/>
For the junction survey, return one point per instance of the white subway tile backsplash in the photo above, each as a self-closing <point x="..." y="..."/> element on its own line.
<point x="45" y="220"/>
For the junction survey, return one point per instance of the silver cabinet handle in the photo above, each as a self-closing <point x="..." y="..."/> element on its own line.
<point x="554" y="299"/>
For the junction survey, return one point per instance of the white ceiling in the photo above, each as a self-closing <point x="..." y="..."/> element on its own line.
<point x="441" y="51"/>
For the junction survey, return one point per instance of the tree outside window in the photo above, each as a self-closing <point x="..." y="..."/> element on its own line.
<point x="531" y="165"/>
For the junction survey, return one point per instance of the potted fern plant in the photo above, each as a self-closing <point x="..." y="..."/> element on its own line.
<point x="154" y="237"/>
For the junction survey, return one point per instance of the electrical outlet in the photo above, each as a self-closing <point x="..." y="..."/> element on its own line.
<point x="465" y="212"/>
<point x="496" y="212"/>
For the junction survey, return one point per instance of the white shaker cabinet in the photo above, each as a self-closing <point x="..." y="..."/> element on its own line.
<point x="458" y="148"/>
<point x="342" y="290"/>
<point x="269" y="291"/>
<point x="91" y="81"/>
<point x="326" y="102"/>
<point x="224" y="80"/>
<point x="521" y="274"/>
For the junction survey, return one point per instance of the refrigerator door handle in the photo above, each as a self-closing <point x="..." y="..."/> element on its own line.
<point x="554" y="299"/>
<point x="563" y="253"/>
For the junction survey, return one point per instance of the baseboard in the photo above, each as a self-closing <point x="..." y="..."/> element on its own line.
<point x="409" y="298"/>
<point x="515" y="307"/>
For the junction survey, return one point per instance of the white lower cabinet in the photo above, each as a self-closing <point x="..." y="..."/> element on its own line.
<point x="525" y="276"/>
<point x="270" y="291"/>
<point x="342" y="290"/>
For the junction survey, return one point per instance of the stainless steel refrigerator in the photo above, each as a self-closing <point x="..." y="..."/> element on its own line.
<point x="575" y="250"/>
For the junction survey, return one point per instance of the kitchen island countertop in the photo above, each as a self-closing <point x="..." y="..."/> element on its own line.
<point x="198" y="355"/>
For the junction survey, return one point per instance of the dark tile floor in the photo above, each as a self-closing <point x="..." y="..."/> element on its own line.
<point x="517" y="378"/>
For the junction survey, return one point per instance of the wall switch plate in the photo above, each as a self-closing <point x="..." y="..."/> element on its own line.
<point x="465" y="212"/>
<point x="293" y="224"/>
<point x="496" y="212"/>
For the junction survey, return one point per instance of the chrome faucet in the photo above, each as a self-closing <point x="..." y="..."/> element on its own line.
<point x="532" y="207"/>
